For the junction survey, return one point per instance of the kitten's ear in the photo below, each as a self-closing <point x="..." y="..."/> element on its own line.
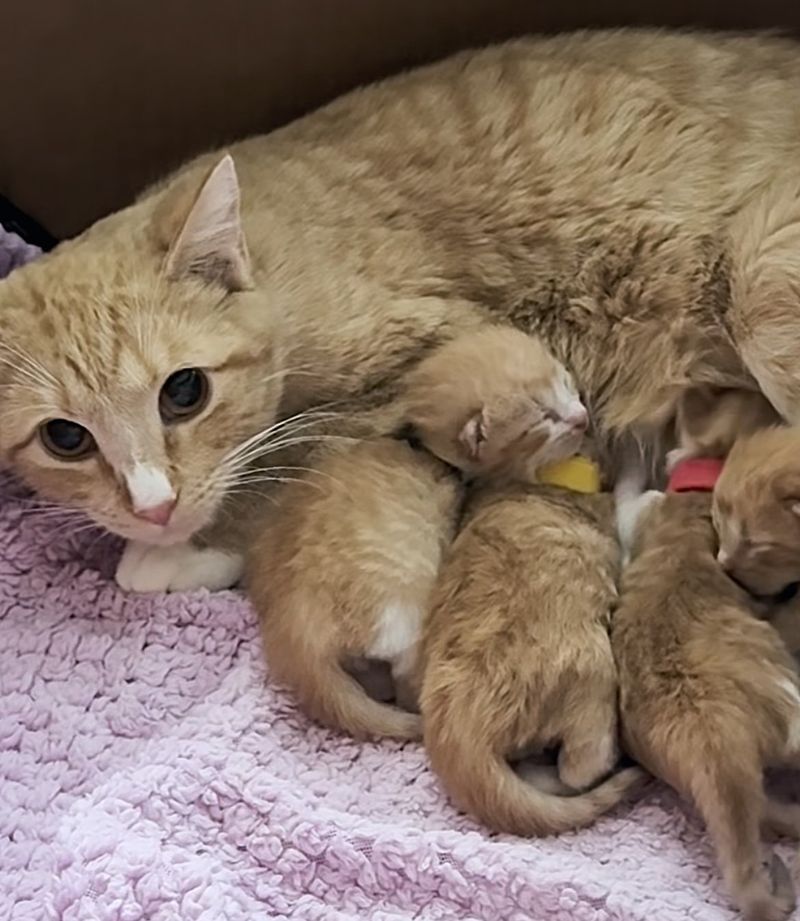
<point x="787" y="488"/>
<point x="210" y="243"/>
<point x="474" y="433"/>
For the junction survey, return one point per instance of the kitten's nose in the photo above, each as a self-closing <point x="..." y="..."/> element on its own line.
<point x="578" y="418"/>
<point x="157" y="514"/>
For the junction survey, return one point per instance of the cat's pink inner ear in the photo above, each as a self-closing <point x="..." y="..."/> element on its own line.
<point x="211" y="242"/>
<point x="474" y="434"/>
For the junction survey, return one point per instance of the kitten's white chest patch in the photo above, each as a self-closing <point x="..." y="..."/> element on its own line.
<point x="148" y="486"/>
<point x="397" y="629"/>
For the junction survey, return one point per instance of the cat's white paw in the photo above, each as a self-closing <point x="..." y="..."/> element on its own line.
<point x="176" y="568"/>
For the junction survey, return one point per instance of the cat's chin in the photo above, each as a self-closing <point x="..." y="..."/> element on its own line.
<point x="157" y="536"/>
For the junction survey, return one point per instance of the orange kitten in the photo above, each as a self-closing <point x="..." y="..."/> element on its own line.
<point x="516" y="652"/>
<point x="757" y="512"/>
<point x="517" y="657"/>
<point x="344" y="571"/>
<point x="708" y="421"/>
<point x="709" y="694"/>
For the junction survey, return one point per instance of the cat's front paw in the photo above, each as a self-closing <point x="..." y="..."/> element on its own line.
<point x="176" y="568"/>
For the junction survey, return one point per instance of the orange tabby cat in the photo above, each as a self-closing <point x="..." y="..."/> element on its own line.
<point x="633" y="197"/>
<point x="709" y="694"/>
<point x="343" y="571"/>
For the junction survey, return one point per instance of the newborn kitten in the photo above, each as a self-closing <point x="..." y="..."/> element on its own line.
<point x="341" y="573"/>
<point x="708" y="692"/>
<point x="757" y="512"/>
<point x="708" y="422"/>
<point x="710" y="419"/>
<point x="517" y="656"/>
<point x="516" y="651"/>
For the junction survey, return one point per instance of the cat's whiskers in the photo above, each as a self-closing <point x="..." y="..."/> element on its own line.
<point x="299" y="422"/>
<point x="35" y="366"/>
<point x="272" y="474"/>
<point x="33" y="377"/>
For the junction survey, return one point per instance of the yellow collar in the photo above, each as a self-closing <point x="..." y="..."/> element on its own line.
<point x="578" y="474"/>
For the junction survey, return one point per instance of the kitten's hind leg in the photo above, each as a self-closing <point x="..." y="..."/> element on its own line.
<point x="589" y="747"/>
<point x="407" y="679"/>
<point x="728" y="790"/>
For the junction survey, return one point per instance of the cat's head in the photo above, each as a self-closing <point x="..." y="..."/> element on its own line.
<point x="756" y="511"/>
<point x="135" y="358"/>
<point x="495" y="400"/>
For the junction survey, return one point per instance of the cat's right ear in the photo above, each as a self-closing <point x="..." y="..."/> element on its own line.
<point x="474" y="433"/>
<point x="203" y="230"/>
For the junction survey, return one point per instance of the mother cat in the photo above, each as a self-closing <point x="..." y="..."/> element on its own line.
<point x="633" y="197"/>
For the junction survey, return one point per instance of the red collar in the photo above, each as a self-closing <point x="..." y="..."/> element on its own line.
<point x="698" y="474"/>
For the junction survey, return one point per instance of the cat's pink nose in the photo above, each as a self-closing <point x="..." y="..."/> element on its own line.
<point x="578" y="418"/>
<point x="157" y="514"/>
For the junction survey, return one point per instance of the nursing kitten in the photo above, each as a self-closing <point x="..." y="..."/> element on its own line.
<point x="757" y="512"/>
<point x="630" y="196"/>
<point x="516" y="655"/>
<point x="708" y="691"/>
<point x="343" y="571"/>
<point x="708" y="694"/>
<point x="707" y="423"/>
<point x="710" y="419"/>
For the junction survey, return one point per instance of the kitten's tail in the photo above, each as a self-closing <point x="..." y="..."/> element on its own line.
<point x="335" y="698"/>
<point x="485" y="784"/>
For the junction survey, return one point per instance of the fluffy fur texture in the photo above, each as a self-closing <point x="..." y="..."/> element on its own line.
<point x="708" y="694"/>
<point x="517" y="657"/>
<point x="634" y="197"/>
<point x="344" y="571"/>
<point x="757" y="511"/>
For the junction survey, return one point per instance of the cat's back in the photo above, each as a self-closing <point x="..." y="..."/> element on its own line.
<point x="592" y="116"/>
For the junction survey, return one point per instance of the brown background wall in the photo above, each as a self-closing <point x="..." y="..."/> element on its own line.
<point x="101" y="96"/>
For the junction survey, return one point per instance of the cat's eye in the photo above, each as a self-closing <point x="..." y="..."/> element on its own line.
<point x="66" y="440"/>
<point x="184" y="394"/>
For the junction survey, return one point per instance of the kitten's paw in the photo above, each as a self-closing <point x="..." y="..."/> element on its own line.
<point x="176" y="568"/>
<point x="675" y="457"/>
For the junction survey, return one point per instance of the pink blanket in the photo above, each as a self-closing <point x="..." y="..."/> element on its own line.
<point x="149" y="770"/>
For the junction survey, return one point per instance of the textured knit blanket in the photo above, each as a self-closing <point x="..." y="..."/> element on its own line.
<point x="149" y="770"/>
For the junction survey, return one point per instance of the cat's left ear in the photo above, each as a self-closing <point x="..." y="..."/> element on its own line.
<point x="210" y="244"/>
